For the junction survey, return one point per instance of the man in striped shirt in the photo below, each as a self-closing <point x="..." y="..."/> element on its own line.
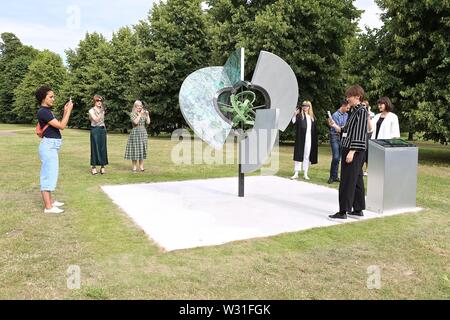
<point x="354" y="145"/>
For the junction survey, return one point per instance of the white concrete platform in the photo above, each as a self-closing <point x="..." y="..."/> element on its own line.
<point x="195" y="213"/>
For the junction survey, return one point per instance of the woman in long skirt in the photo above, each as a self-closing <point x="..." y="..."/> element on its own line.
<point x="137" y="145"/>
<point x="99" y="152"/>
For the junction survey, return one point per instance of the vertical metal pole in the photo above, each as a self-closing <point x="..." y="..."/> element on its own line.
<point x="241" y="182"/>
<point x="240" y="174"/>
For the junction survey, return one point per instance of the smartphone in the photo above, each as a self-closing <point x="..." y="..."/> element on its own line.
<point x="329" y="115"/>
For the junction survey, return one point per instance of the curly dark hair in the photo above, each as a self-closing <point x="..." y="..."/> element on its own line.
<point x="41" y="93"/>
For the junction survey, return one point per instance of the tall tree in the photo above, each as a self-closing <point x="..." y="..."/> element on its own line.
<point x="15" y="59"/>
<point x="120" y="95"/>
<point x="172" y="45"/>
<point x="229" y="22"/>
<point x="366" y="62"/>
<point x="420" y="36"/>
<point x="309" y="35"/>
<point x="89" y="74"/>
<point x="46" y="69"/>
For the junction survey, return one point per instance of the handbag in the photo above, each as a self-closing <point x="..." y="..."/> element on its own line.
<point x="40" y="131"/>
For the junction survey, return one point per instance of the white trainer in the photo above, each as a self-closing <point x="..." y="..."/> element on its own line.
<point x="55" y="210"/>
<point x="306" y="178"/>
<point x="295" y="176"/>
<point x="57" y="204"/>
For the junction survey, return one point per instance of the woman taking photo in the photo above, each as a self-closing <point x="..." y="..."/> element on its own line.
<point x="99" y="153"/>
<point x="50" y="145"/>
<point x="306" y="144"/>
<point x="137" y="145"/>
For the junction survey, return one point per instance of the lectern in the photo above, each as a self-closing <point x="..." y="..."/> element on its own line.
<point x="392" y="180"/>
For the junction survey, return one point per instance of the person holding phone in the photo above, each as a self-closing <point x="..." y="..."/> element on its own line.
<point x="50" y="145"/>
<point x="354" y="144"/>
<point x="306" y="142"/>
<point x="99" y="152"/>
<point x="337" y="121"/>
<point x="137" y="145"/>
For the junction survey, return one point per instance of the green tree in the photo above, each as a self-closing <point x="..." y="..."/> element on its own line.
<point x="120" y="92"/>
<point x="46" y="69"/>
<point x="229" y="22"/>
<point x="309" y="35"/>
<point x="365" y="63"/>
<point x="419" y="32"/>
<point x="172" y="44"/>
<point x="89" y="74"/>
<point x="15" y="59"/>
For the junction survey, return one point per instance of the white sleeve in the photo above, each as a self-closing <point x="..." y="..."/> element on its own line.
<point x="395" y="128"/>
<point x="92" y="115"/>
<point x="294" y="118"/>
<point x="374" y="126"/>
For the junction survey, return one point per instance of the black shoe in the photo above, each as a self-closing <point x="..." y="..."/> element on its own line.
<point x="356" y="214"/>
<point x="338" y="216"/>
<point x="330" y="181"/>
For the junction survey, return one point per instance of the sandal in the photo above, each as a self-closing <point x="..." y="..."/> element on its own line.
<point x="134" y="170"/>
<point x="94" y="171"/>
<point x="102" y="170"/>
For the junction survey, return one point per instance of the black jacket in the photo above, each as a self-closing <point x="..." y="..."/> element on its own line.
<point x="300" y="134"/>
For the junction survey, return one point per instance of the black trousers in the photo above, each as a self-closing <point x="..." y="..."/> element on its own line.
<point x="351" y="187"/>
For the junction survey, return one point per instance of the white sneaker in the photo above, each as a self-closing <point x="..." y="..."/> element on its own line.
<point x="55" y="210"/>
<point x="57" y="204"/>
<point x="295" y="176"/>
<point x="306" y="178"/>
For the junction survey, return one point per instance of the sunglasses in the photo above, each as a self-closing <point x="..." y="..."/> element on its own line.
<point x="305" y="106"/>
<point x="98" y="100"/>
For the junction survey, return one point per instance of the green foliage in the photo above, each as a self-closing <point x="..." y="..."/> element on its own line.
<point x="89" y="74"/>
<point x="171" y="46"/>
<point x="407" y="60"/>
<point x="122" y="56"/>
<point x="229" y="21"/>
<point x="46" y="69"/>
<point x="420" y="33"/>
<point x="309" y="35"/>
<point x="15" y="59"/>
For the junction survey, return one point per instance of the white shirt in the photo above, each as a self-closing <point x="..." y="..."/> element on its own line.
<point x="389" y="128"/>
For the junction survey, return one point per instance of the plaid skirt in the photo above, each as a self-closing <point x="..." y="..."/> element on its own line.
<point x="137" y="144"/>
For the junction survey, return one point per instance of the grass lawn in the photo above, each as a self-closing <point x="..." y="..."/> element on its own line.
<point x="118" y="261"/>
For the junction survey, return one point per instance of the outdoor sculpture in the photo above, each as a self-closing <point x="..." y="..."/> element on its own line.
<point x="215" y="100"/>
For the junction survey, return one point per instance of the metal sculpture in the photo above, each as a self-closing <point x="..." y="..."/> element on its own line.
<point x="215" y="100"/>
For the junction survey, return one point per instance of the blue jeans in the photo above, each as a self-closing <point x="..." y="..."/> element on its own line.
<point x="335" y="143"/>
<point x="48" y="152"/>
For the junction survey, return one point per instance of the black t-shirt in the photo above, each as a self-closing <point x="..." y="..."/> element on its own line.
<point x="379" y="122"/>
<point x="44" y="116"/>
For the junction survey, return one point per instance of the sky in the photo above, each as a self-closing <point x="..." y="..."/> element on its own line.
<point x="59" y="25"/>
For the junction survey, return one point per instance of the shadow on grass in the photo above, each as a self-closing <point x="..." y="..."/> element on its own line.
<point x="434" y="156"/>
